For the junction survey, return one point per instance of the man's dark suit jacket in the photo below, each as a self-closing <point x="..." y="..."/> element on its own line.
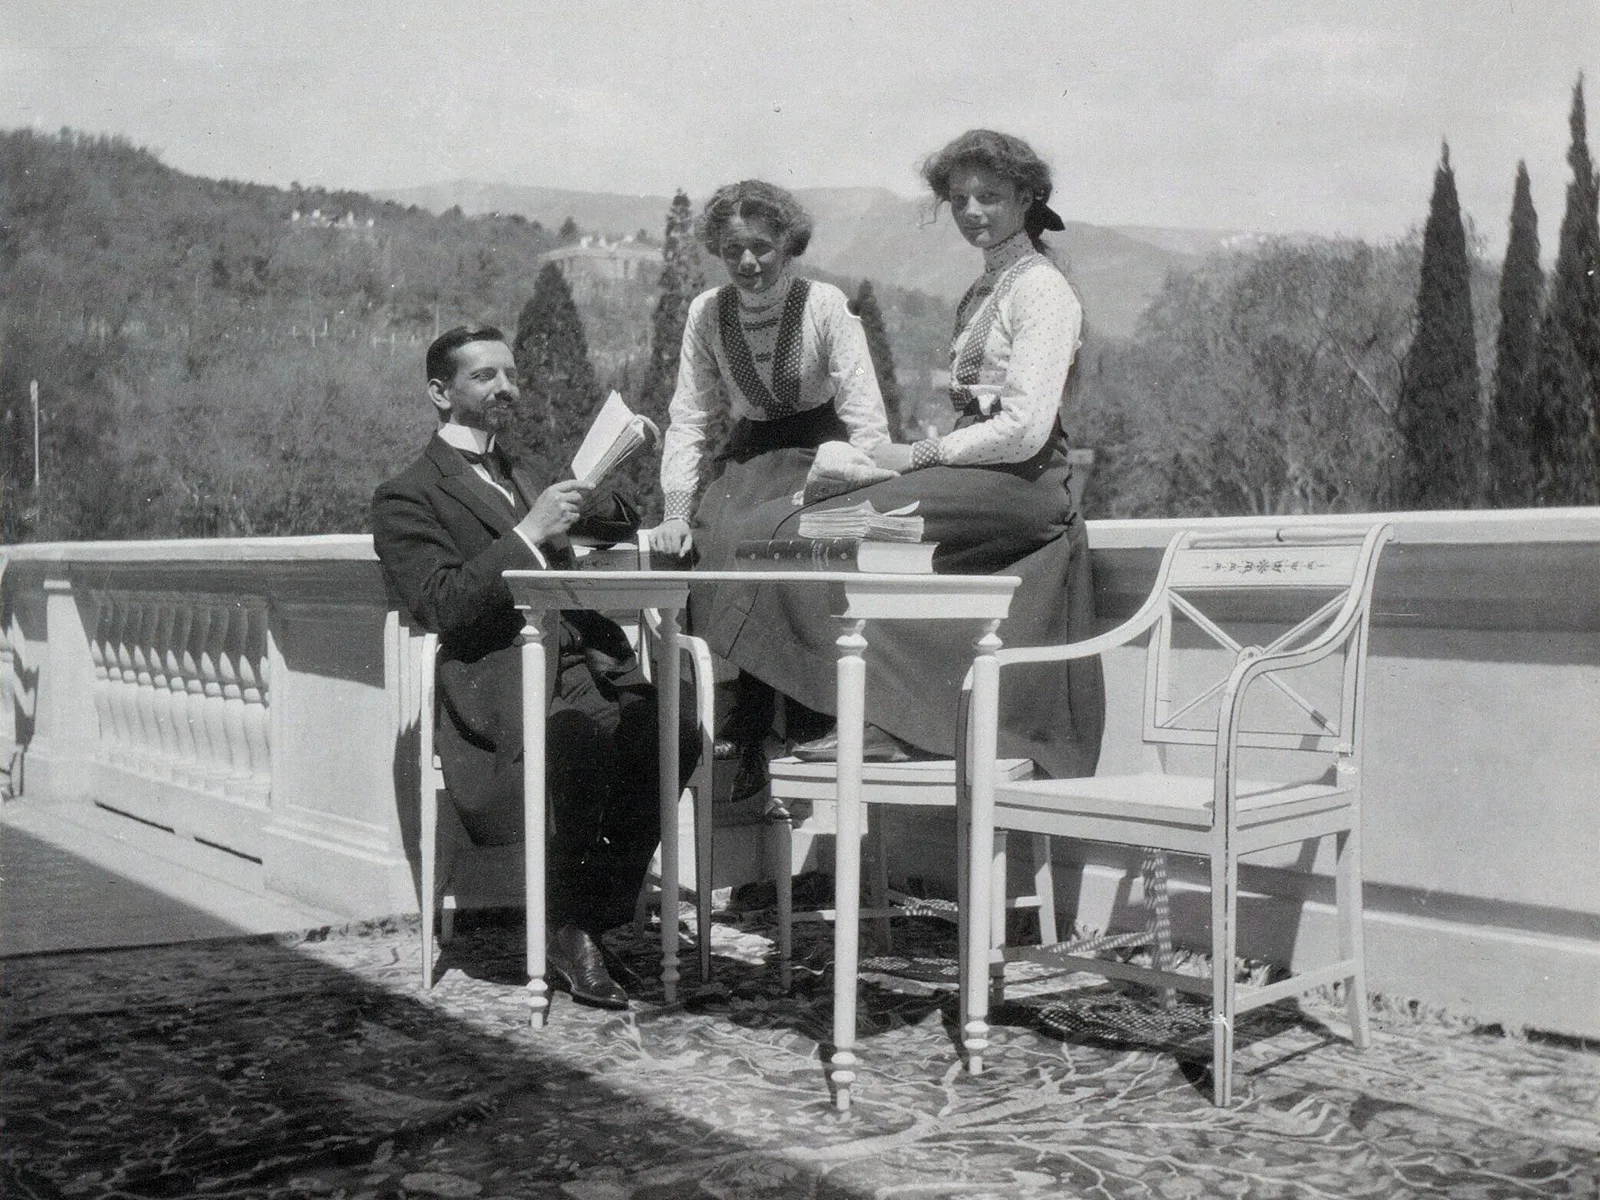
<point x="444" y="536"/>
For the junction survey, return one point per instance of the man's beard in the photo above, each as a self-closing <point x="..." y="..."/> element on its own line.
<point x="500" y="413"/>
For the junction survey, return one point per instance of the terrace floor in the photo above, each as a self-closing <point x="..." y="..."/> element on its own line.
<point x="231" y="1061"/>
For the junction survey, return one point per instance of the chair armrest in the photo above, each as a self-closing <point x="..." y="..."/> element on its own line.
<point x="1087" y="648"/>
<point x="702" y="671"/>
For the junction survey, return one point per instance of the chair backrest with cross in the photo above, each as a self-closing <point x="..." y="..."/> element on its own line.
<point x="1305" y="582"/>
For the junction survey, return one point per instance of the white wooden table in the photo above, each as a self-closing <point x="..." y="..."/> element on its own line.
<point x="855" y="599"/>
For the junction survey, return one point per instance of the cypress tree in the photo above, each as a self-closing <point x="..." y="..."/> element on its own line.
<point x="1566" y="386"/>
<point x="865" y="306"/>
<point x="1521" y="287"/>
<point x="1438" y="403"/>
<point x="681" y="279"/>
<point x="557" y="381"/>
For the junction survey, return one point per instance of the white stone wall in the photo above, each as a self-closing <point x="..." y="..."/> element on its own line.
<point x="259" y="695"/>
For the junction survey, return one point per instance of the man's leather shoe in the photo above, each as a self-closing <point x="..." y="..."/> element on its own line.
<point x="576" y="962"/>
<point x="876" y="746"/>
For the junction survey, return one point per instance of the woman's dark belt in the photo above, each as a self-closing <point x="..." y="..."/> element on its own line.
<point x="804" y="430"/>
<point x="967" y="403"/>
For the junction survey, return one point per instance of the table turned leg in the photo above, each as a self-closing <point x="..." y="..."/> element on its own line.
<point x="537" y="658"/>
<point x="852" y="683"/>
<point x="978" y="893"/>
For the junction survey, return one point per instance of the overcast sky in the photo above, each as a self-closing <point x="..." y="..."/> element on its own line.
<point x="1235" y="114"/>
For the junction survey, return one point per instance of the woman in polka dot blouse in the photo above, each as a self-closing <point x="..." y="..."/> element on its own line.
<point x="993" y="493"/>
<point x="784" y="358"/>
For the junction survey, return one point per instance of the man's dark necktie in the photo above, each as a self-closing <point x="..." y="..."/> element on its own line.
<point x="492" y="463"/>
<point x="495" y="465"/>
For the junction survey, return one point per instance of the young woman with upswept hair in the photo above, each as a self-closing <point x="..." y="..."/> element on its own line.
<point x="785" y="358"/>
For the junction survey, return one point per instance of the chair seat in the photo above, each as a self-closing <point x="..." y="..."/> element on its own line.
<point x="1184" y="800"/>
<point x="926" y="783"/>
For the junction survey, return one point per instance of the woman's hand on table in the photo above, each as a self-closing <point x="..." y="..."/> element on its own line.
<point x="672" y="536"/>
<point x="893" y="456"/>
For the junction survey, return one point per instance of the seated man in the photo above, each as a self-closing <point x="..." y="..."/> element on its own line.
<point x="445" y="529"/>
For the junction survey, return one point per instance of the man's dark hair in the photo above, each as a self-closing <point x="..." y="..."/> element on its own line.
<point x="441" y="360"/>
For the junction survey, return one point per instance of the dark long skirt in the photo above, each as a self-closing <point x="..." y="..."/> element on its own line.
<point x="1015" y="519"/>
<point x="761" y="461"/>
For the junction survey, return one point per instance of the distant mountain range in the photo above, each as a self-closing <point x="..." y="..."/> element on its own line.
<point x="873" y="233"/>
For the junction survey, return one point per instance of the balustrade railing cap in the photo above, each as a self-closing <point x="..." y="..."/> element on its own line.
<point x="328" y="547"/>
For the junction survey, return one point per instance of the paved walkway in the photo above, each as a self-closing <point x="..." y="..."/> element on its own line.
<point x="81" y="878"/>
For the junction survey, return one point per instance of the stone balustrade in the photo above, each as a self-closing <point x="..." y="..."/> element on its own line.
<point x="182" y="688"/>
<point x="259" y="698"/>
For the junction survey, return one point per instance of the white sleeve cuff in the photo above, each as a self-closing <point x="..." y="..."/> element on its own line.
<point x="544" y="563"/>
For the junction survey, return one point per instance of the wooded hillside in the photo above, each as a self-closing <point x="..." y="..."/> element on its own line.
<point x="220" y="359"/>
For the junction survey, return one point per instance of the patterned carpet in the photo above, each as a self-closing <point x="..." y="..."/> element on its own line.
<point x="315" y="1067"/>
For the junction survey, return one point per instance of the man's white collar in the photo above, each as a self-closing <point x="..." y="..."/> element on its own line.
<point x="465" y="437"/>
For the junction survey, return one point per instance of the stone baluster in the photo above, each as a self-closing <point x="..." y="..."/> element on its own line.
<point x="229" y="665"/>
<point x="186" y="765"/>
<point x="8" y="690"/>
<point x="211" y="673"/>
<point x="255" y="674"/>
<point x="126" y="694"/>
<point x="194" y="692"/>
<point x="120" y="684"/>
<point x="161" y="700"/>
<point x="104" y="657"/>
<point x="142" y="631"/>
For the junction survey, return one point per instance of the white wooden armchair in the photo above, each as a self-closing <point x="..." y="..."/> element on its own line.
<point x="1318" y="582"/>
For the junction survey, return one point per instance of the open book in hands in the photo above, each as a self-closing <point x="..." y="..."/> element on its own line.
<point x="615" y="434"/>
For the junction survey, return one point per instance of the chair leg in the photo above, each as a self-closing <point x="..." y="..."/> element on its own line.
<point x="1224" y="882"/>
<point x="966" y="970"/>
<point x="430" y="862"/>
<point x="880" y="880"/>
<point x="783" y="880"/>
<point x="703" y="871"/>
<point x="447" y="918"/>
<point x="1158" y="909"/>
<point x="997" y="919"/>
<point x="1044" y="888"/>
<point x="976" y="953"/>
<point x="1348" y="900"/>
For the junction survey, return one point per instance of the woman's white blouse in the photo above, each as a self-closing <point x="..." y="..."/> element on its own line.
<point x="835" y="368"/>
<point x="1026" y="358"/>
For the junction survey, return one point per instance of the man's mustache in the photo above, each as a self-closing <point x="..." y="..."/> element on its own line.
<point x="499" y="409"/>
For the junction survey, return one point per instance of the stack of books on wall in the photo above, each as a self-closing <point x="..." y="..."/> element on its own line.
<point x="865" y="522"/>
<point x="854" y="538"/>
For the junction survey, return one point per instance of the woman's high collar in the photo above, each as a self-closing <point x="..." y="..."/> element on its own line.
<point x="776" y="294"/>
<point x="1016" y="247"/>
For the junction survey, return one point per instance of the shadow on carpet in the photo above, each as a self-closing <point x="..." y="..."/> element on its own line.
<point x="316" y="1066"/>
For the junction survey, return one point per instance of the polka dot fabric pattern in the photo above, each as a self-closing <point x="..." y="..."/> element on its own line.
<point x="1017" y="331"/>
